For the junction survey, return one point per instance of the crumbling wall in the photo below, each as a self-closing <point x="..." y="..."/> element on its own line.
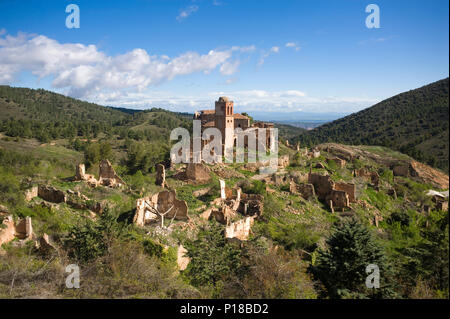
<point x="31" y="193"/>
<point x="223" y="215"/>
<point x="339" y="161"/>
<point x="167" y="199"/>
<point x="163" y="201"/>
<point x="240" y="229"/>
<point x="160" y="175"/>
<point x="251" y="204"/>
<point x="51" y="194"/>
<point x="283" y="161"/>
<point x="45" y="244"/>
<point x="23" y="229"/>
<point x="143" y="215"/>
<point x="197" y="172"/>
<point x="323" y="185"/>
<point x="108" y="176"/>
<point x="340" y="199"/>
<point x="349" y="188"/>
<point x="304" y="189"/>
<point x="80" y="175"/>
<point x="299" y="177"/>
<point x="314" y="153"/>
<point x="8" y="232"/>
<point x="368" y="175"/>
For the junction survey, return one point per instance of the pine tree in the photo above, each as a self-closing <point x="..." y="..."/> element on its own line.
<point x="213" y="258"/>
<point x="342" y="267"/>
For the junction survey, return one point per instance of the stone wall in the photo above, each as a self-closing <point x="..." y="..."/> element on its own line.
<point x="283" y="161"/>
<point x="339" y="161"/>
<point x="340" y="199"/>
<point x="304" y="189"/>
<point x="22" y="229"/>
<point x="31" y="193"/>
<point x="322" y="184"/>
<point x="349" y="188"/>
<point x="197" y="172"/>
<point x="51" y="194"/>
<point x="7" y="233"/>
<point x="108" y="176"/>
<point x="160" y="175"/>
<point x="163" y="201"/>
<point x="240" y="229"/>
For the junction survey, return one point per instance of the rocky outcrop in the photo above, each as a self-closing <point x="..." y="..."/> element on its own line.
<point x="197" y="172"/>
<point x="182" y="259"/>
<point x="429" y="175"/>
<point x="51" y="194"/>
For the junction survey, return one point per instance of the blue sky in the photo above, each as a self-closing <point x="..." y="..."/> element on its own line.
<point x="288" y="57"/>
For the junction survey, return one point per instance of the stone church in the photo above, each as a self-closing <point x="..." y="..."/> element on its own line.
<point x="224" y="119"/>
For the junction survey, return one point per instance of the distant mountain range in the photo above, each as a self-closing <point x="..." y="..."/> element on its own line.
<point x="414" y="122"/>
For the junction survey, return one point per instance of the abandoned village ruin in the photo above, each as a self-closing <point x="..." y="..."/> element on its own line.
<point x="234" y="126"/>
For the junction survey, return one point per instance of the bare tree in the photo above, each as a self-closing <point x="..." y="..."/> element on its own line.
<point x="154" y="209"/>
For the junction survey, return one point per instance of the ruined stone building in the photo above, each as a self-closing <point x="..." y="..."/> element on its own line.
<point x="224" y="119"/>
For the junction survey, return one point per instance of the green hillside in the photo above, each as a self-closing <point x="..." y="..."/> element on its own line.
<point x="286" y="251"/>
<point x="413" y="122"/>
<point x="46" y="116"/>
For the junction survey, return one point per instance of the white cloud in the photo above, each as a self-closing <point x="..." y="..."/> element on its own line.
<point x="231" y="81"/>
<point x="228" y="68"/>
<point x="292" y="45"/>
<point x="245" y="101"/>
<point x="266" y="54"/>
<point x="375" y="40"/>
<point x="187" y="12"/>
<point x="84" y="71"/>
<point x="275" y="49"/>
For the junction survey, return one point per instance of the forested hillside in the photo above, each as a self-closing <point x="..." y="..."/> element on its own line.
<point x="414" y="123"/>
<point x="83" y="176"/>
